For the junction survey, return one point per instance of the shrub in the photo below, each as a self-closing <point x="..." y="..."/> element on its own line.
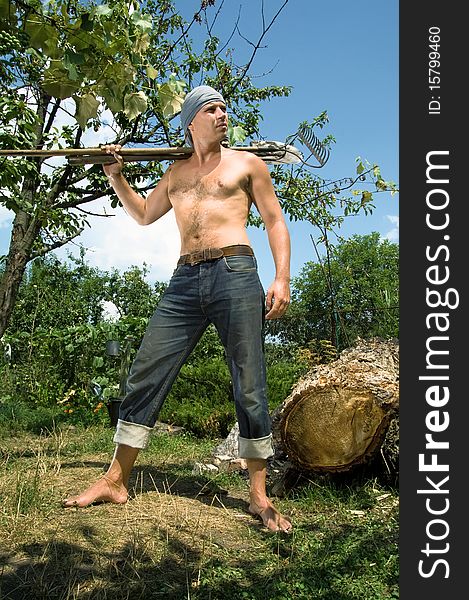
<point x="17" y="416"/>
<point x="281" y="377"/>
<point x="201" y="399"/>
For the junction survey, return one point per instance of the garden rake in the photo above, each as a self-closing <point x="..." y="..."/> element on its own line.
<point x="307" y="137"/>
<point x="269" y="151"/>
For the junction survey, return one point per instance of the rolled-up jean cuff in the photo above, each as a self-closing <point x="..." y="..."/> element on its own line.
<point x="255" y="448"/>
<point x="132" y="434"/>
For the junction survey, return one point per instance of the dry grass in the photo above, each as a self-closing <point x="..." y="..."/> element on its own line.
<point x="173" y="524"/>
<point x="180" y="536"/>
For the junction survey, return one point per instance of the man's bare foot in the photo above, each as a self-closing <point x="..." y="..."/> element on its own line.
<point x="270" y="516"/>
<point x="104" y="490"/>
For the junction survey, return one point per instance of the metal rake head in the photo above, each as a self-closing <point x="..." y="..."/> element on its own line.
<point x="307" y="136"/>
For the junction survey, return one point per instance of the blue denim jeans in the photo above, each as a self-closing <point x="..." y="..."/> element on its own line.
<point x="226" y="292"/>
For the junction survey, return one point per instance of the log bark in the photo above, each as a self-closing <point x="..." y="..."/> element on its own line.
<point x="338" y="416"/>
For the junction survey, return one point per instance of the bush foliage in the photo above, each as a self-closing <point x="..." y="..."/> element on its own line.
<point x="56" y="367"/>
<point x="59" y="372"/>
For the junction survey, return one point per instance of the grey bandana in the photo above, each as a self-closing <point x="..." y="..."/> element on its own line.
<point x="193" y="102"/>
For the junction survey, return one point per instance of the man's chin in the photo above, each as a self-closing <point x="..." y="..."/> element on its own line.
<point x="222" y="133"/>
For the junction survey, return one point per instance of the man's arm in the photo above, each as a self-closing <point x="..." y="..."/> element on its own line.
<point x="266" y="201"/>
<point x="143" y="210"/>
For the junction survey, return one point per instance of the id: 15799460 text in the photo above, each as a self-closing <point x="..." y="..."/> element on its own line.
<point x="434" y="74"/>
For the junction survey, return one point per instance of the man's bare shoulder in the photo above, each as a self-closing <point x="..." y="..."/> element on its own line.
<point x="249" y="160"/>
<point x="177" y="165"/>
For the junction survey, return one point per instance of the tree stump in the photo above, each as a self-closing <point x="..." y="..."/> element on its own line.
<point x="338" y="415"/>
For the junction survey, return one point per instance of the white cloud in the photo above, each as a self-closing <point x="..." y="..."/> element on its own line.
<point x="116" y="241"/>
<point x="105" y="133"/>
<point x="110" y="311"/>
<point x="6" y="217"/>
<point x="119" y="242"/>
<point x="393" y="234"/>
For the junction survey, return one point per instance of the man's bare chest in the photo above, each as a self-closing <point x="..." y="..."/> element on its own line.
<point x="217" y="185"/>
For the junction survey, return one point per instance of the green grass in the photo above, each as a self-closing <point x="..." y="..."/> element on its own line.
<point x="182" y="535"/>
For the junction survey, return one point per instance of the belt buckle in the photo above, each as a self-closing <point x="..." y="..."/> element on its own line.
<point x="205" y="255"/>
<point x="196" y="257"/>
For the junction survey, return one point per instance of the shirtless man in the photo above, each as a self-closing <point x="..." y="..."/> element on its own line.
<point x="215" y="282"/>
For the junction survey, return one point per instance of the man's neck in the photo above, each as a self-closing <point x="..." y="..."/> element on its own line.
<point x="205" y="152"/>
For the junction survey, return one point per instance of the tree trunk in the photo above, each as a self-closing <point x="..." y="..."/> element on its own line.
<point x="24" y="232"/>
<point x="338" y="415"/>
<point x="26" y="228"/>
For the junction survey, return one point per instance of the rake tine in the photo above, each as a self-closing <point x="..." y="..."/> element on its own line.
<point x="309" y="139"/>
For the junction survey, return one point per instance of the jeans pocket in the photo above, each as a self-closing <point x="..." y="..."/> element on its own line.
<point x="239" y="264"/>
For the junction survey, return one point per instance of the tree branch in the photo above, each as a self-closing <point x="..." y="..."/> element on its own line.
<point x="50" y="120"/>
<point x="57" y="244"/>
<point x="265" y="30"/>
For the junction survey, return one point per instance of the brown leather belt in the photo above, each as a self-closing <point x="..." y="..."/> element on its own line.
<point x="214" y="253"/>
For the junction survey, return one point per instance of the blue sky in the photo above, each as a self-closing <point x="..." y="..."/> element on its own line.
<point x="338" y="56"/>
<point x="342" y="57"/>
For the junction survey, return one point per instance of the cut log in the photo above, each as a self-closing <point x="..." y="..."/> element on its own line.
<point x="338" y="415"/>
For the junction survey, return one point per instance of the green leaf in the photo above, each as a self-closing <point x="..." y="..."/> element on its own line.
<point x="72" y="71"/>
<point x="142" y="22"/>
<point x="142" y="44"/>
<point x="70" y="61"/>
<point x="366" y="196"/>
<point x="6" y="12"/>
<point x="57" y="82"/>
<point x="102" y="10"/>
<point x="98" y="361"/>
<point x="73" y="58"/>
<point x="360" y="168"/>
<point x="40" y="34"/>
<point x="51" y="48"/>
<point x="85" y="22"/>
<point x="119" y="75"/>
<point x="236" y="134"/>
<point x="135" y="104"/>
<point x="382" y="185"/>
<point x="169" y="100"/>
<point x="113" y="98"/>
<point x="177" y="85"/>
<point x="152" y="72"/>
<point x="86" y="109"/>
